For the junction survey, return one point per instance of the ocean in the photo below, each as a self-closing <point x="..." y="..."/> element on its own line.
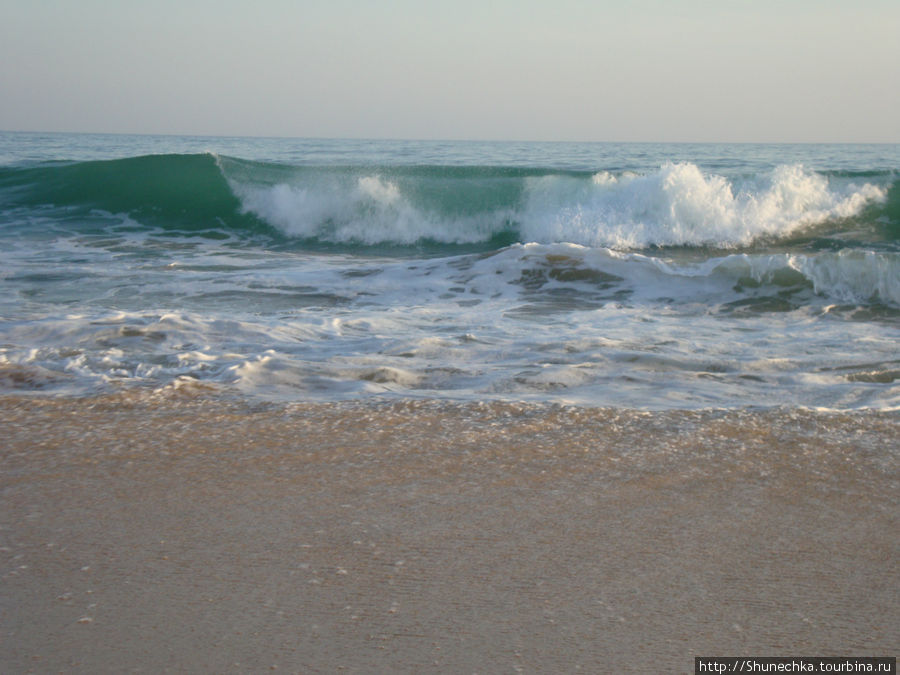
<point x="639" y="275"/>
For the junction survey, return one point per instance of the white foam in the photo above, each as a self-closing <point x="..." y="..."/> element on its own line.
<point x="680" y="205"/>
<point x="532" y="320"/>
<point x="371" y="211"/>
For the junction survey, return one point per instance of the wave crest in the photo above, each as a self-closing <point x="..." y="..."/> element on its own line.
<point x="372" y="210"/>
<point x="678" y="205"/>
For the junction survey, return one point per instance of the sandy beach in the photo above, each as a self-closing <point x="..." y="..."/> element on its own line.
<point x="166" y="534"/>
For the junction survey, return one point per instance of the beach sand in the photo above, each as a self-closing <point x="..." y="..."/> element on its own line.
<point x="196" y="534"/>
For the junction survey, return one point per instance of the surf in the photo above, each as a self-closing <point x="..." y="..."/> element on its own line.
<point x="488" y="207"/>
<point x="677" y="205"/>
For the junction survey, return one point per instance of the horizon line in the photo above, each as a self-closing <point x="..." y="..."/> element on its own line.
<point x="398" y="139"/>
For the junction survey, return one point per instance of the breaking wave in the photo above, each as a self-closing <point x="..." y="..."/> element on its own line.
<point x="676" y="205"/>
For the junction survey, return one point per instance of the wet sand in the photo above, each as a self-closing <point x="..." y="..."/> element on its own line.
<point x="202" y="535"/>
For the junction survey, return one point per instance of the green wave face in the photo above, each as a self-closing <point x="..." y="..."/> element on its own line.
<point x="179" y="191"/>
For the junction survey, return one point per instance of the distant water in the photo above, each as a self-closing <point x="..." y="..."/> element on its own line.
<point x="651" y="276"/>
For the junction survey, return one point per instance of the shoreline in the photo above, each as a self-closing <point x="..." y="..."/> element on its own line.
<point x="202" y="534"/>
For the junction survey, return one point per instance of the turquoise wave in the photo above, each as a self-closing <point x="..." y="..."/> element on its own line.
<point x="178" y="191"/>
<point x="487" y="207"/>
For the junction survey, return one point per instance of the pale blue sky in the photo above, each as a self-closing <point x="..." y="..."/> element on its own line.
<point x="641" y="70"/>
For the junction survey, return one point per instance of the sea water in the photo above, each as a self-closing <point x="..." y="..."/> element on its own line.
<point x="645" y="276"/>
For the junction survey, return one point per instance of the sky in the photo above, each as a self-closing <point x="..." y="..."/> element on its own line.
<point x="575" y="70"/>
